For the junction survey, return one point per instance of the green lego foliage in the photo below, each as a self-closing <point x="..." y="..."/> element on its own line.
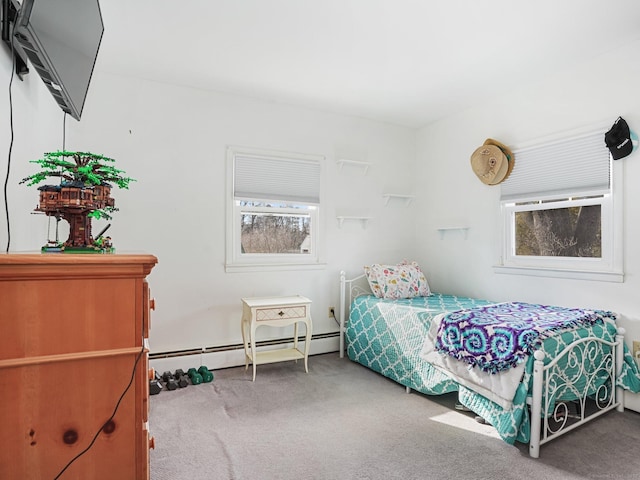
<point x="83" y="167"/>
<point x="86" y="167"/>
<point x="104" y="213"/>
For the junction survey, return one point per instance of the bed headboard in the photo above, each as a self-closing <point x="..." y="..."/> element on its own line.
<point x="350" y="289"/>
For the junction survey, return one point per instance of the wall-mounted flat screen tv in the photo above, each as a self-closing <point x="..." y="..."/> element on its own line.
<point x="61" y="39"/>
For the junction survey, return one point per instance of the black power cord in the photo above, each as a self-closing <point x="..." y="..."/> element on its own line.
<point x="115" y="410"/>
<point x="6" y="208"/>
<point x="6" y="180"/>
<point x="8" y="173"/>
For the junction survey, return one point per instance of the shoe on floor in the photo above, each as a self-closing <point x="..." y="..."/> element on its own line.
<point x="481" y="420"/>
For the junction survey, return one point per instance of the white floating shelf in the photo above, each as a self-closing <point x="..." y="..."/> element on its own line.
<point x="405" y="198"/>
<point x="364" y="220"/>
<point x="354" y="163"/>
<point x="442" y="230"/>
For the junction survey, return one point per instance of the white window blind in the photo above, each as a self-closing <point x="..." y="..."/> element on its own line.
<point x="570" y="166"/>
<point x="272" y="178"/>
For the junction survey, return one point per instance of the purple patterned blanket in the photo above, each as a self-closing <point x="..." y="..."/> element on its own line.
<point x="500" y="336"/>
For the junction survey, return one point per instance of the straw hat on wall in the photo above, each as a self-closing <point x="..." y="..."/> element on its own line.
<point x="492" y="162"/>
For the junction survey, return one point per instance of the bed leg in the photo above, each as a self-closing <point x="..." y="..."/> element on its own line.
<point x="536" y="405"/>
<point x="619" y="363"/>
<point x="408" y="389"/>
<point x="342" y="308"/>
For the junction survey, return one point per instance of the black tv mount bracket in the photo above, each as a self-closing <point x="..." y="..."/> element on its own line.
<point x="9" y="12"/>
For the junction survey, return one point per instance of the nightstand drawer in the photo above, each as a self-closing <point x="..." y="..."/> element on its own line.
<point x="297" y="311"/>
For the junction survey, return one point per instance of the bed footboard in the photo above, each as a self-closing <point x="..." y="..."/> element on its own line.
<point x="594" y="387"/>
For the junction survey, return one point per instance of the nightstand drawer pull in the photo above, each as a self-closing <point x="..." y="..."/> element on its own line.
<point x="298" y="311"/>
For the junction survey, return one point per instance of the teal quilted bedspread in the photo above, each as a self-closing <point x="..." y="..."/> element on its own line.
<point x="387" y="336"/>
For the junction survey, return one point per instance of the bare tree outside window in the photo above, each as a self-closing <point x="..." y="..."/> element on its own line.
<point x="559" y="232"/>
<point x="274" y="232"/>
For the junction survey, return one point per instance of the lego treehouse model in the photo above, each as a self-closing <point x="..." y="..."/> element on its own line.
<point x="84" y="193"/>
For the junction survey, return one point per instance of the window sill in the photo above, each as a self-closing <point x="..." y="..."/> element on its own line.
<point x="617" y="277"/>
<point x="276" y="267"/>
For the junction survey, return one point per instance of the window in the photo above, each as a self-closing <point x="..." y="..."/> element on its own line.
<point x="274" y="210"/>
<point x="561" y="210"/>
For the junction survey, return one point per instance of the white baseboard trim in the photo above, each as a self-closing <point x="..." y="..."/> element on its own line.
<point x="233" y="357"/>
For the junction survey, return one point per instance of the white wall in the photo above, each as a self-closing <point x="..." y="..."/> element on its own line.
<point x="173" y="140"/>
<point x="594" y="93"/>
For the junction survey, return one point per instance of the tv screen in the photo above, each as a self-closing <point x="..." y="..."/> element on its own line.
<point x="61" y="39"/>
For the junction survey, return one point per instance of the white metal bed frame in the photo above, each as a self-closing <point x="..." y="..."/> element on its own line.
<point x="547" y="379"/>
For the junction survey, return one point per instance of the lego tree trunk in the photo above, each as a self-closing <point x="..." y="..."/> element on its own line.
<point x="79" y="228"/>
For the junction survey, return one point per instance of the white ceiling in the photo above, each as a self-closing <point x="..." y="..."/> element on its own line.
<point x="408" y="62"/>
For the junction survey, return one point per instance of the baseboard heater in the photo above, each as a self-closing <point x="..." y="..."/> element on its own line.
<point x="236" y="346"/>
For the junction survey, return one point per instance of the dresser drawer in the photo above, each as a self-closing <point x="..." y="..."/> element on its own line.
<point x="296" y="311"/>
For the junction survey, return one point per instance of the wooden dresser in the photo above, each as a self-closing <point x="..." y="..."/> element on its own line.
<point x="73" y="332"/>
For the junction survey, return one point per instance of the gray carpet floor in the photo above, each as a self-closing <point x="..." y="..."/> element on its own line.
<point x="343" y="421"/>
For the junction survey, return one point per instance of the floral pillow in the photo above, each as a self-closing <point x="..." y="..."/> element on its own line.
<point x="404" y="280"/>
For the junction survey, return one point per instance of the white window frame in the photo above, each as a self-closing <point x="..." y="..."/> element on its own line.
<point x="607" y="268"/>
<point x="236" y="260"/>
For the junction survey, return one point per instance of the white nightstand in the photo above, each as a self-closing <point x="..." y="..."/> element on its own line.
<point x="275" y="312"/>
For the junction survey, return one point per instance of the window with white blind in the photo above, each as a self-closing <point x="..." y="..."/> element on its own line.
<point x="562" y="211"/>
<point x="274" y="209"/>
